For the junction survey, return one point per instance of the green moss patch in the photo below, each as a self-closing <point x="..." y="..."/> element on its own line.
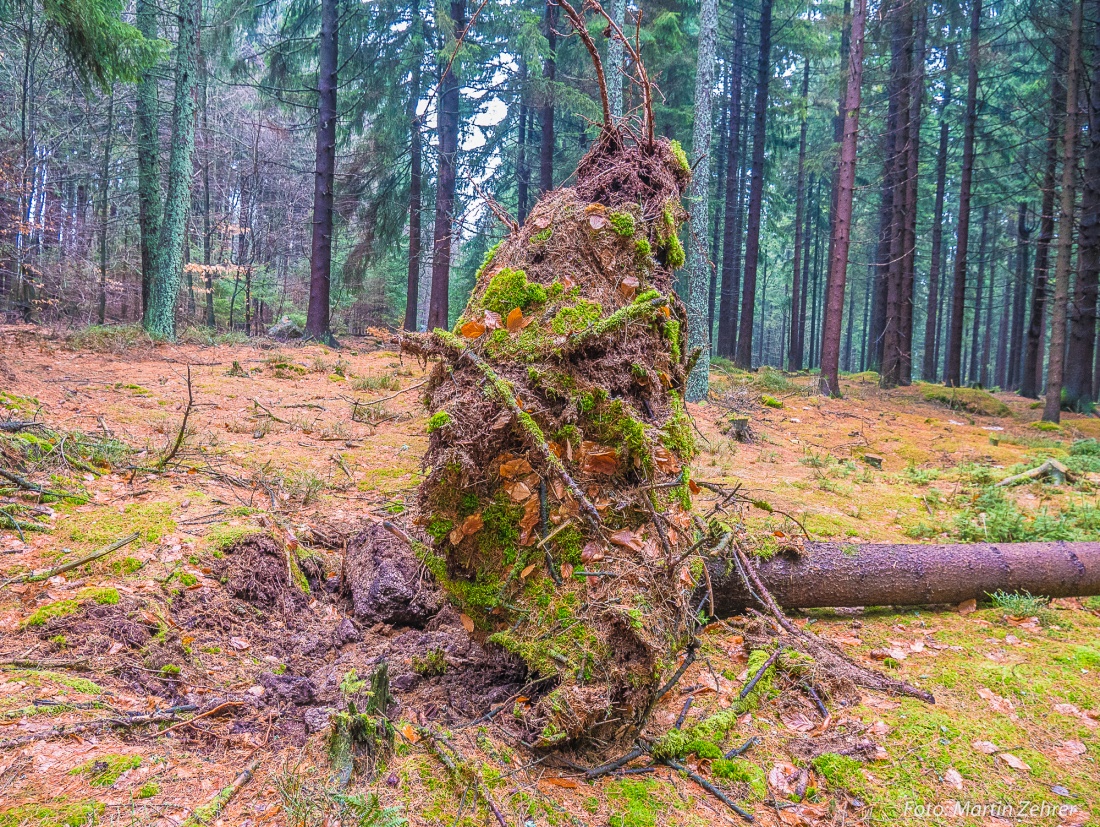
<point x="105" y="770"/>
<point x="972" y="400"/>
<point x="510" y="289"/>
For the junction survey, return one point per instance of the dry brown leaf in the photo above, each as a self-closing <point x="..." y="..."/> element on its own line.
<point x="797" y="721"/>
<point x="784" y="778"/>
<point x="592" y="552"/>
<point x="472" y="330"/>
<point x="599" y="459"/>
<point x="996" y="702"/>
<point x="665" y="460"/>
<point x="693" y="487"/>
<point x="456" y="536"/>
<point x="953" y="778"/>
<point x="627" y="539"/>
<point x="628" y="287"/>
<point x="1014" y="762"/>
<point x="514" y="468"/>
<point x="848" y="640"/>
<point x="566" y="570"/>
<point x="472" y="524"/>
<point x="968" y="606"/>
<point x="467" y="622"/>
<point x="985" y="747"/>
<point x="515" y="320"/>
<point x="597" y="221"/>
<point x="239" y="643"/>
<point x="492" y="320"/>
<point x="518" y="491"/>
<point x="523" y="574"/>
<point x="1068" y="752"/>
<point x="567" y="783"/>
<point x="409" y="733"/>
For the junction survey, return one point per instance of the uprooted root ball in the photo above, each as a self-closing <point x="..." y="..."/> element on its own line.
<point x="558" y="498"/>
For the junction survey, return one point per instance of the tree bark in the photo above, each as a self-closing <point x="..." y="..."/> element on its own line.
<point x="615" y="62"/>
<point x="929" y="368"/>
<point x="953" y="366"/>
<point x="743" y="358"/>
<point x="1032" y="378"/>
<point x="909" y="260"/>
<point x="439" y="307"/>
<point x="416" y="174"/>
<point x="546" y="112"/>
<point x="727" y="308"/>
<point x="698" y="382"/>
<point x="161" y="318"/>
<point x="975" y="330"/>
<point x="104" y="188"/>
<point x="1052" y="409"/>
<point x="146" y="111"/>
<point x="836" y="574"/>
<point x="523" y="170"/>
<point x="794" y="355"/>
<point x="842" y="228"/>
<point x="1016" y="334"/>
<point x="320" y="255"/>
<point x="1080" y="390"/>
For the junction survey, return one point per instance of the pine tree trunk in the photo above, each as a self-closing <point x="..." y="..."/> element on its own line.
<point x="743" y="357"/>
<point x="794" y="356"/>
<point x="719" y="191"/>
<point x="727" y="321"/>
<point x="909" y="261"/>
<point x="699" y="200"/>
<point x="320" y="255"/>
<point x="1032" y="379"/>
<point x="1056" y="360"/>
<point x="207" y="229"/>
<point x="1019" y="301"/>
<point x="615" y="63"/>
<point x="953" y="366"/>
<point x="842" y="227"/>
<point x="147" y="117"/>
<point x="161" y="318"/>
<point x="523" y="170"/>
<point x="931" y="326"/>
<point x="1080" y="390"/>
<point x="104" y="188"/>
<point x="803" y="300"/>
<point x="416" y="174"/>
<point x="983" y="368"/>
<point x="972" y="372"/>
<point x="439" y="308"/>
<point x="1000" y="376"/>
<point x="546" y="113"/>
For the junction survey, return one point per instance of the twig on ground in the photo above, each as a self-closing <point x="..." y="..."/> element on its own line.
<point x="125" y="722"/>
<point x="167" y="458"/>
<point x="38" y="489"/>
<point x="751" y="685"/>
<point x="208" y="813"/>
<point x="612" y="766"/>
<point x="684" y="712"/>
<point x="452" y="762"/>
<point x="46" y="574"/>
<point x="207" y="714"/>
<point x="710" y="788"/>
<point x="745" y="747"/>
<point x="267" y="411"/>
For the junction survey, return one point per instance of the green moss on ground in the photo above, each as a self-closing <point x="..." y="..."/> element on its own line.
<point x="105" y="770"/>
<point x="972" y="400"/>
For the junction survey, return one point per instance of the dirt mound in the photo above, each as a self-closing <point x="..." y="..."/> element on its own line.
<point x="264" y="572"/>
<point x="557" y="498"/>
<point x="387" y="583"/>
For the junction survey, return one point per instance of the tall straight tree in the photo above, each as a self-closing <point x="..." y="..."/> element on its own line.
<point x="743" y="356"/>
<point x="546" y="112"/>
<point x="699" y="264"/>
<point x="1032" y="378"/>
<point x="1056" y="360"/>
<point x="731" y="235"/>
<point x="1080" y="390"/>
<point x="931" y="327"/>
<point x="976" y="327"/>
<point x="416" y="173"/>
<point x="324" y="176"/>
<point x="615" y="61"/>
<point x="1019" y="299"/>
<point x="147" y="117"/>
<point x="794" y="356"/>
<point x="160" y="321"/>
<point x="842" y="225"/>
<point x="953" y="366"/>
<point x="447" y="119"/>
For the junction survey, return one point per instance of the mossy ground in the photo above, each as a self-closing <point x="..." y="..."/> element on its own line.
<point x="807" y="459"/>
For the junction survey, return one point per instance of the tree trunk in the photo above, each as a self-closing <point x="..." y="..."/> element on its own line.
<point x="931" y="327"/>
<point x="743" y="357"/>
<point x="972" y="372"/>
<point x="699" y="203"/>
<point x="546" y="113"/>
<point x="1019" y="301"/>
<point x="104" y="188"/>
<point x="207" y="229"/>
<point x="842" y="228"/>
<point x="727" y="308"/>
<point x="719" y="190"/>
<point x="1032" y="378"/>
<point x="161" y="318"/>
<point x="909" y="260"/>
<point x="1000" y="377"/>
<point x="320" y="253"/>
<point x="1052" y="409"/>
<point x="615" y="63"/>
<point x="983" y="368"/>
<point x="416" y="174"/>
<point x="794" y="356"/>
<point x="523" y="170"/>
<point x="1079" y="388"/>
<point x="146" y="111"/>
<point x="953" y="366"/>
<point x="803" y="300"/>
<point x="837" y="574"/>
<point x="439" y="308"/>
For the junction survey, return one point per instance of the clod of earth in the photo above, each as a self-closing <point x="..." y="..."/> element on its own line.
<point x="558" y="497"/>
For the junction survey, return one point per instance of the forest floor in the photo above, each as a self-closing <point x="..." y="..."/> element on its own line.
<point x="315" y="444"/>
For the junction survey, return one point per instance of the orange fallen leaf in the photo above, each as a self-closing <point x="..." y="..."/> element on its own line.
<point x="566" y="570"/>
<point x="567" y="783"/>
<point x="693" y="487"/>
<point x="592" y="552"/>
<point x="409" y="733"/>
<point x="627" y="539"/>
<point x="514" y="468"/>
<point x="628" y="287"/>
<point x="472" y="524"/>
<point x="472" y="330"/>
<point x="1014" y="762"/>
<point x="467" y="622"/>
<point x="968" y="606"/>
<point x="985" y="747"/>
<point x="515" y="320"/>
<point x="523" y="574"/>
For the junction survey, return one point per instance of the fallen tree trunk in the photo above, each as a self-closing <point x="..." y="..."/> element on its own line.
<point x="837" y="574"/>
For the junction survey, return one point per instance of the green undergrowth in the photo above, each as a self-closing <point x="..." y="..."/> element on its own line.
<point x="993" y="517"/>
<point x="56" y="813"/>
<point x="105" y="770"/>
<point x="104" y="596"/>
<point x="151" y="520"/>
